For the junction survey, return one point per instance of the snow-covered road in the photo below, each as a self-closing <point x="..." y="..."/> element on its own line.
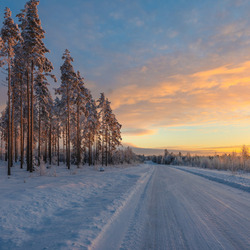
<point x="142" y="207"/>
<point x="179" y="210"/>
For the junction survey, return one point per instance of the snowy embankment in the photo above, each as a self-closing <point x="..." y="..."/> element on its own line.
<point x="64" y="209"/>
<point x="238" y="180"/>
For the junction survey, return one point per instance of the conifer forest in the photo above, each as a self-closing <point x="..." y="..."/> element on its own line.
<point x="73" y="127"/>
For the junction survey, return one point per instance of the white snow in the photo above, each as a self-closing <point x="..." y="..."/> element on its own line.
<point x="237" y="179"/>
<point x="69" y="206"/>
<point x="144" y="206"/>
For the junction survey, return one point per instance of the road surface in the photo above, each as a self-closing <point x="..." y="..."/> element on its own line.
<point x="173" y="209"/>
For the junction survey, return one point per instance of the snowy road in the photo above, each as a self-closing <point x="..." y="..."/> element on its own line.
<point x="179" y="210"/>
<point x="142" y="207"/>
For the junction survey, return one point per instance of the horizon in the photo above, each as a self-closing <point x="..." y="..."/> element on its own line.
<point x="177" y="74"/>
<point x="212" y="151"/>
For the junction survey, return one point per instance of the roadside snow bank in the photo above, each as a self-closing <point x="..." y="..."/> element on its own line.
<point x="238" y="180"/>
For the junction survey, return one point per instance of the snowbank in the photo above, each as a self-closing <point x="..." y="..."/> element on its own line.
<point x="238" y="180"/>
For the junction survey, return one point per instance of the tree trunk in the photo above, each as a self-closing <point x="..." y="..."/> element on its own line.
<point x="32" y="116"/>
<point x="21" y="125"/>
<point x="1" y="146"/>
<point x="16" y="146"/>
<point x="6" y="150"/>
<point x="102" y="150"/>
<point x="68" y="132"/>
<point x="12" y="127"/>
<point x="90" y="154"/>
<point x="9" y="118"/>
<point x="110" y="156"/>
<point x="97" y="149"/>
<point x="50" y="145"/>
<point x="58" y="148"/>
<point x="78" y="135"/>
<point x="106" y="135"/>
<point x="46" y="149"/>
<point x="39" y="135"/>
<point x="63" y="146"/>
<point x="28" y="124"/>
<point x="66" y="145"/>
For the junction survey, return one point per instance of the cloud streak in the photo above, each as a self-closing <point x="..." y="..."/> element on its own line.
<point x="218" y="95"/>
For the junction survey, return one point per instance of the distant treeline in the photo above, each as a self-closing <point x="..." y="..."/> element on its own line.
<point x="232" y="161"/>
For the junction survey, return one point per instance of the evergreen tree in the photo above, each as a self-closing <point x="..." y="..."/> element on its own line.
<point x="10" y="36"/>
<point x="91" y="126"/>
<point x="81" y="97"/>
<point x="44" y="104"/>
<point x="66" y="90"/>
<point x="75" y="115"/>
<point x="34" y="52"/>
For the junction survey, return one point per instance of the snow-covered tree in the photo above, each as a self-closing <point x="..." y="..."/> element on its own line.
<point x="10" y="36"/>
<point x="109" y="129"/>
<point x="44" y="105"/>
<point x="31" y="112"/>
<point x="66" y="90"/>
<point x="81" y="94"/>
<point x="91" y="126"/>
<point x="34" y="52"/>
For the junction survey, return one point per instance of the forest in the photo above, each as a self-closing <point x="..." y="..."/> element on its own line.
<point x="72" y="127"/>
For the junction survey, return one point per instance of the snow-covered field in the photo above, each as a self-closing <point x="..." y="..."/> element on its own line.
<point x="135" y="207"/>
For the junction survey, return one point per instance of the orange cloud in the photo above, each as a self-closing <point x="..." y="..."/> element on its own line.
<point x="215" y="95"/>
<point x="137" y="132"/>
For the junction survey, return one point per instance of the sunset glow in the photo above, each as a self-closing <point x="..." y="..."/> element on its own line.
<point x="177" y="73"/>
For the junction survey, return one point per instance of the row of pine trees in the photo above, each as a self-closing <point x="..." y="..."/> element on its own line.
<point x="73" y="128"/>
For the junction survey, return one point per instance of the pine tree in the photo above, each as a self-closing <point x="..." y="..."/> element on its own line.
<point x="101" y="105"/>
<point x="44" y="104"/>
<point x="81" y="97"/>
<point x="110" y="130"/>
<point x="34" y="51"/>
<point x="66" y="90"/>
<point x="57" y="124"/>
<point x="10" y="36"/>
<point x="91" y="125"/>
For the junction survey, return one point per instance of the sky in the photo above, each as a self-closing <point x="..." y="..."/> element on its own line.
<point x="177" y="72"/>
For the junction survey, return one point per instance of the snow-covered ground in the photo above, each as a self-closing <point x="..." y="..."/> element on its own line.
<point x="62" y="209"/>
<point x="237" y="179"/>
<point x="135" y="207"/>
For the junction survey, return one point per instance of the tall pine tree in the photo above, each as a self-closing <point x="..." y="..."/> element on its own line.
<point x="10" y="36"/>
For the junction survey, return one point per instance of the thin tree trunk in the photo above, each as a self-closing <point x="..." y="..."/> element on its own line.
<point x="16" y="145"/>
<point x="12" y="127"/>
<point x="6" y="150"/>
<point x="32" y="116"/>
<point x="46" y="149"/>
<point x="9" y="118"/>
<point x="97" y="149"/>
<point x="90" y="160"/>
<point x="109" y="154"/>
<point x="1" y="146"/>
<point x="66" y="145"/>
<point x="63" y="146"/>
<point x="68" y="132"/>
<point x="78" y="135"/>
<point x="39" y="135"/>
<point x="102" y="150"/>
<point x="28" y="123"/>
<point x="50" y="145"/>
<point x="21" y="125"/>
<point x="106" y="163"/>
<point x="58" y="148"/>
